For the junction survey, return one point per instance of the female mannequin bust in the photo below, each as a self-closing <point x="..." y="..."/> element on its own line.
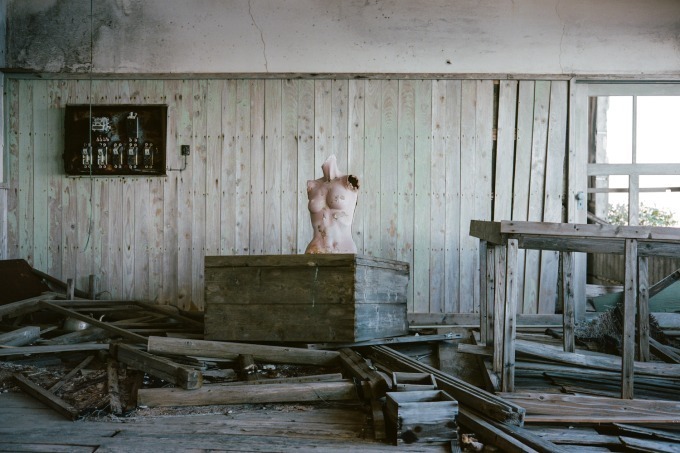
<point x="332" y="200"/>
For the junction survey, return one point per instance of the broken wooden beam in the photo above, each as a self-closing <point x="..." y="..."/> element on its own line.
<point x="496" y="407"/>
<point x="249" y="394"/>
<point x="160" y="367"/>
<point x="665" y="353"/>
<point x="230" y="351"/>
<point x="373" y="384"/>
<point x="126" y="334"/>
<point x="20" y="337"/>
<point x="46" y="397"/>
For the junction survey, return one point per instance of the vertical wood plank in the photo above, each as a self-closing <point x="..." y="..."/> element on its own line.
<point x="483" y="293"/>
<point x="389" y="169"/>
<point x="484" y="123"/>
<point x="213" y="168"/>
<point x="371" y="184"/>
<point x="437" y="217"/>
<point x="536" y="191"/>
<point x="272" y="167"/>
<point x="421" y="230"/>
<point x="230" y="185"/>
<point x="522" y="176"/>
<point x="13" y="113"/>
<point x="289" y="167"/>
<point x="468" y="194"/>
<point x="568" y="314"/>
<point x="83" y="202"/>
<point x="305" y="159"/>
<point x="40" y="175"/>
<point x="643" y="309"/>
<point x="339" y="126"/>
<point x="452" y="142"/>
<point x="406" y="166"/>
<point x="509" y="327"/>
<point x="26" y="160"/>
<point x="257" y="167"/>
<point x="185" y="199"/>
<point x="505" y="150"/>
<point x="356" y="156"/>
<point x="55" y="119"/>
<point x="172" y="92"/>
<point x="554" y="188"/>
<point x="499" y="304"/>
<point x="323" y="124"/>
<point x="242" y="168"/>
<point x="630" y="293"/>
<point x="198" y="192"/>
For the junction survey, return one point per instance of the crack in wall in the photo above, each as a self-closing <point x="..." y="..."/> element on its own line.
<point x="264" y="44"/>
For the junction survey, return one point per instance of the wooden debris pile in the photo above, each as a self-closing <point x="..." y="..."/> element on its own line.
<point x="574" y="399"/>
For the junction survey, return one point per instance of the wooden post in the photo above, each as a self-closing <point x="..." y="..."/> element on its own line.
<point x="643" y="309"/>
<point x="70" y="289"/>
<point x="499" y="307"/>
<point x="92" y="288"/>
<point x="483" y="295"/>
<point x="508" y="375"/>
<point x="490" y="291"/>
<point x="629" y="305"/>
<point x="568" y="309"/>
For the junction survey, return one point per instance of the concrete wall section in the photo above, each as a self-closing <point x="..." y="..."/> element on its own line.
<point x="619" y="37"/>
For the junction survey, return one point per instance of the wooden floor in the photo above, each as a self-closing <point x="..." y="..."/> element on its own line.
<point x="27" y="425"/>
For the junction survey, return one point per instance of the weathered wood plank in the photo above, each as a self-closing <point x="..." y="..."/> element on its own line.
<point x="226" y="350"/>
<point x="180" y="375"/>
<point x="452" y="124"/>
<point x="272" y="167"/>
<point x="289" y="167"/>
<point x="265" y="393"/>
<point x="406" y="164"/>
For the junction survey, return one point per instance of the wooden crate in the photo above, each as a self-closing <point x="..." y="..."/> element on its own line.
<point x="304" y="298"/>
<point x="421" y="416"/>
<point x="409" y="382"/>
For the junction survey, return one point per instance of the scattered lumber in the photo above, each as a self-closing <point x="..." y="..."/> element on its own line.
<point x="490" y="434"/>
<point x="467" y="395"/>
<point x="593" y="360"/>
<point x="230" y="351"/>
<point x="183" y="376"/>
<point x="578" y="409"/>
<point x="46" y="397"/>
<point x="20" y="337"/>
<point x="660" y="434"/>
<point x="248" y="394"/>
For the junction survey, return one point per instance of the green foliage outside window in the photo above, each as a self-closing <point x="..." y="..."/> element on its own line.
<point x="649" y="215"/>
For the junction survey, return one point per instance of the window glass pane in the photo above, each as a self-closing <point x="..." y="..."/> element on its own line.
<point x="619" y="131"/>
<point x="658" y="129"/>
<point x="660" y="200"/>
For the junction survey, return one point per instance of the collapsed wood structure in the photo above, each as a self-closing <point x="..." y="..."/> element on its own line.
<point x="155" y="357"/>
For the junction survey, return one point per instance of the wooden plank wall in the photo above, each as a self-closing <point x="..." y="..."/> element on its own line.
<point x="424" y="152"/>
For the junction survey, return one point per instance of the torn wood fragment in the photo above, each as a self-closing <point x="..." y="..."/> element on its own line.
<point x="57" y="385"/>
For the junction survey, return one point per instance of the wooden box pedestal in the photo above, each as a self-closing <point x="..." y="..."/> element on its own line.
<point x="304" y="298"/>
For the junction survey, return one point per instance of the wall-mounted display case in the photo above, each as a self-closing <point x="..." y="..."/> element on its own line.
<point x="109" y="140"/>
